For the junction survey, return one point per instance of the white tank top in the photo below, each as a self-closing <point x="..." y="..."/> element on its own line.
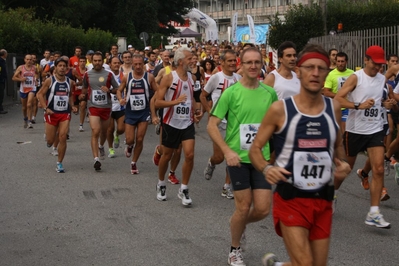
<point x="180" y="116"/>
<point x="218" y="83"/>
<point x="285" y="87"/>
<point x="367" y="121"/>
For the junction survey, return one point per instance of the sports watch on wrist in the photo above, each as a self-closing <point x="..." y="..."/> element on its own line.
<point x="357" y="105"/>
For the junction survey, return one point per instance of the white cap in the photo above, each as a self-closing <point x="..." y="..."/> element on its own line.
<point x="146" y="48"/>
<point x="129" y="46"/>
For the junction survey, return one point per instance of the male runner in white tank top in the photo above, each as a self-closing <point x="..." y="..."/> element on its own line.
<point x="361" y="94"/>
<point x="284" y="80"/>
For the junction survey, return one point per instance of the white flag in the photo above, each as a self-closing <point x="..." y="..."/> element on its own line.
<point x="234" y="28"/>
<point x="251" y="29"/>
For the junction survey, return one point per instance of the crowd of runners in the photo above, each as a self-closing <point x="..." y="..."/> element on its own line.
<point x="299" y="126"/>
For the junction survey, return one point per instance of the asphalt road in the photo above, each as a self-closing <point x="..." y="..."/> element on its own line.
<point x="83" y="217"/>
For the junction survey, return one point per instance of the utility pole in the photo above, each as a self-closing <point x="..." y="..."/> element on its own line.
<point x="323" y="5"/>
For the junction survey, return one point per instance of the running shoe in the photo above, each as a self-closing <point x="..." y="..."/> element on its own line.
<point x="387" y="166"/>
<point x="393" y="161"/>
<point x="157" y="156"/>
<point x="67" y="136"/>
<point x="128" y="151"/>
<point x="133" y="170"/>
<point x="116" y="141"/>
<point x="54" y="152"/>
<point x="185" y="197"/>
<point x="227" y="193"/>
<point x="397" y="173"/>
<point x="30" y="125"/>
<point x="384" y="194"/>
<point x="269" y="259"/>
<point x="365" y="179"/>
<point x="25" y="123"/>
<point x="111" y="153"/>
<point x="161" y="193"/>
<point x="236" y="258"/>
<point x="102" y="153"/>
<point x="81" y="128"/>
<point x="33" y="121"/>
<point x="173" y="179"/>
<point x="377" y="220"/>
<point x="208" y="172"/>
<point x="60" y="168"/>
<point x="97" y="165"/>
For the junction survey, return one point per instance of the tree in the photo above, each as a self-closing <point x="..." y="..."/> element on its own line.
<point x="300" y="24"/>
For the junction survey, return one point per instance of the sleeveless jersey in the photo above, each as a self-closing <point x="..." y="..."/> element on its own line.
<point x="285" y="87"/>
<point x="30" y="83"/>
<point x="367" y="121"/>
<point x="197" y="85"/>
<point x="58" y="96"/>
<point x="180" y="116"/>
<point x="218" y="83"/>
<point x="207" y="76"/>
<point x="116" y="106"/>
<point x="305" y="145"/>
<point x="148" y="69"/>
<point x="137" y="93"/>
<point x="384" y="111"/>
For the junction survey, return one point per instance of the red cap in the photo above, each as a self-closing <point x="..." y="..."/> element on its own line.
<point x="377" y="54"/>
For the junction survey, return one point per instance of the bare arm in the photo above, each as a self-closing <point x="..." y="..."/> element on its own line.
<point x="350" y="85"/>
<point x="232" y="158"/>
<point x="328" y="92"/>
<point x="204" y="101"/>
<point x="17" y="75"/>
<point x="271" y="122"/>
<point x="121" y="88"/>
<point x="41" y="95"/>
<point x="269" y="80"/>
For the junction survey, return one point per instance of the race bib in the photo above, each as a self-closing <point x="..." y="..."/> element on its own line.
<point x="247" y="135"/>
<point x="182" y="111"/>
<point x="137" y="102"/>
<point x="372" y="114"/>
<point x="114" y="99"/>
<point x="341" y="81"/>
<point x="99" y="97"/>
<point x="312" y="170"/>
<point x="60" y="103"/>
<point x="197" y="85"/>
<point x="28" y="84"/>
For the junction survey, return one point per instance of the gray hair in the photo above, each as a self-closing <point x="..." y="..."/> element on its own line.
<point x="179" y="54"/>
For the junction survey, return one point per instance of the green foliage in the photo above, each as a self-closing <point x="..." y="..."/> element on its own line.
<point x="156" y="40"/>
<point x="21" y="32"/>
<point x="300" y="23"/>
<point x="356" y="15"/>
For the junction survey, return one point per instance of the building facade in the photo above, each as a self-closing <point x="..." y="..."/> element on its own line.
<point x="222" y="11"/>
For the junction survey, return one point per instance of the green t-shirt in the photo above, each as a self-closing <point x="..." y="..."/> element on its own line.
<point x="244" y="109"/>
<point x="336" y="79"/>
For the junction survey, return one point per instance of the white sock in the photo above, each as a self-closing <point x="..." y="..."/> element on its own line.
<point x="374" y="209"/>
<point x="182" y="187"/>
<point x="278" y="264"/>
<point x="161" y="183"/>
<point x="133" y="162"/>
<point x="226" y="186"/>
<point x="96" y="159"/>
<point x="54" y="148"/>
<point x="100" y="146"/>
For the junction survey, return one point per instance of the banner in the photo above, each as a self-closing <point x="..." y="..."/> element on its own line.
<point x="234" y="28"/>
<point x="205" y="21"/>
<point x="260" y="33"/>
<point x="251" y="29"/>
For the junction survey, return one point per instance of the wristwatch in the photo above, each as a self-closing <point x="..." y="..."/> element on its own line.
<point x="45" y="109"/>
<point x="357" y="105"/>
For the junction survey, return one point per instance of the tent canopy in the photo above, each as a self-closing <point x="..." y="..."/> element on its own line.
<point x="187" y="32"/>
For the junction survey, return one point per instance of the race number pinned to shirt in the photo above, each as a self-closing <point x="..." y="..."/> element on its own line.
<point x="28" y="84"/>
<point x="137" y="102"/>
<point x="312" y="170"/>
<point x="197" y="85"/>
<point x="99" y="97"/>
<point x="247" y="135"/>
<point x="372" y="114"/>
<point x="182" y="110"/>
<point x="60" y="103"/>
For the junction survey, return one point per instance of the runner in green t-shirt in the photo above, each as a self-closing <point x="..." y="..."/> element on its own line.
<point x="244" y="104"/>
<point x="335" y="80"/>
